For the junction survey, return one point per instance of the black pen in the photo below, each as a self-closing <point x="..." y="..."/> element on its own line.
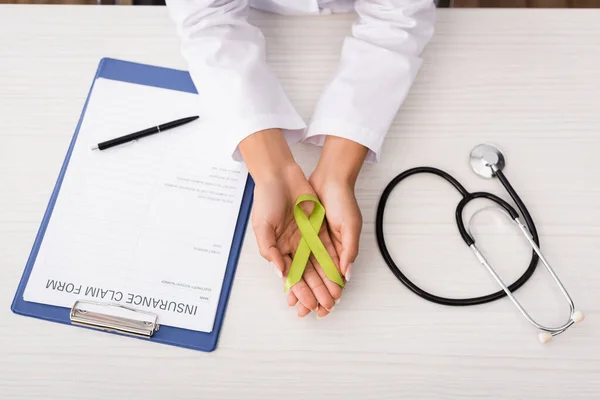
<point x="143" y="133"/>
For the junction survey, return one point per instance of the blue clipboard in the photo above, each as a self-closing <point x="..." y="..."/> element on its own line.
<point x="167" y="79"/>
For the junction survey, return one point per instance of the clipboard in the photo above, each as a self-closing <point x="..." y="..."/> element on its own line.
<point x="115" y="318"/>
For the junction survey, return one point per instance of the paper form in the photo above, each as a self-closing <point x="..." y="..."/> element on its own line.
<point x="147" y="224"/>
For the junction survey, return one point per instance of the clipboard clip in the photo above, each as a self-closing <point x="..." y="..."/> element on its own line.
<point x="114" y="318"/>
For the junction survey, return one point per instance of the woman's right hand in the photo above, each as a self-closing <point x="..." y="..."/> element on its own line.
<point x="279" y="181"/>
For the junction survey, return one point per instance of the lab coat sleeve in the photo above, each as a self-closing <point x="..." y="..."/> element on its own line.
<point x="238" y="93"/>
<point x="378" y="65"/>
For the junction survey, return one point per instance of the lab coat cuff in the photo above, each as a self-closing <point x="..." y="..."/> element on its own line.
<point x="320" y="128"/>
<point x="292" y="126"/>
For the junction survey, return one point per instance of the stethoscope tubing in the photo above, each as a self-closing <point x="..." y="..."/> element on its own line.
<point x="466" y="198"/>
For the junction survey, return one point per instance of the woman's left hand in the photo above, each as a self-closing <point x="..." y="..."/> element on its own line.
<point x="334" y="180"/>
<point x="343" y="216"/>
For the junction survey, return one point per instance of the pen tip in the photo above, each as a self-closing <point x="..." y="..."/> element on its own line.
<point x="95" y="148"/>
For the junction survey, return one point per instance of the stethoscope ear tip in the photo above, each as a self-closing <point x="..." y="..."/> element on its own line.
<point x="578" y="316"/>
<point x="544" y="337"/>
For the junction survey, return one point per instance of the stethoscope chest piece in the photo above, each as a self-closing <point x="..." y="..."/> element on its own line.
<point x="486" y="159"/>
<point x="488" y="162"/>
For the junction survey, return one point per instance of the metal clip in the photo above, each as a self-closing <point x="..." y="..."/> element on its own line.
<point x="114" y="318"/>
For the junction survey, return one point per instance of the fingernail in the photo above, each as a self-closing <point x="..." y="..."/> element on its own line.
<point x="277" y="270"/>
<point x="331" y="310"/>
<point x="337" y="301"/>
<point x="316" y="309"/>
<point x="349" y="272"/>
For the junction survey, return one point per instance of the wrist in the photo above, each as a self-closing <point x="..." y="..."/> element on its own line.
<point x="341" y="161"/>
<point x="267" y="155"/>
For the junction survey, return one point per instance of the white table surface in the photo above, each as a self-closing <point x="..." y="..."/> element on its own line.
<point x="528" y="80"/>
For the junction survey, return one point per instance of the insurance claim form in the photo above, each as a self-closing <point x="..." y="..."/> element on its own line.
<point x="148" y="224"/>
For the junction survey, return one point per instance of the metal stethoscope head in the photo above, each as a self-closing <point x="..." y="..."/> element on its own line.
<point x="488" y="162"/>
<point x="486" y="159"/>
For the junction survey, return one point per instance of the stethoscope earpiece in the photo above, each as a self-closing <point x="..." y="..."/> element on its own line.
<point x="578" y="316"/>
<point x="545" y="337"/>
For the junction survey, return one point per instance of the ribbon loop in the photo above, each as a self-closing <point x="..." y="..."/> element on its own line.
<point x="309" y="228"/>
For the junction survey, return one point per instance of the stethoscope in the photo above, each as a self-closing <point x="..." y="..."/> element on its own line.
<point x="488" y="162"/>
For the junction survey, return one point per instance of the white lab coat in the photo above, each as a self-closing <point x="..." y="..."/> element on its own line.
<point x="240" y="95"/>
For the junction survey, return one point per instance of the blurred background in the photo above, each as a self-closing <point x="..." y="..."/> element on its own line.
<point x="443" y="3"/>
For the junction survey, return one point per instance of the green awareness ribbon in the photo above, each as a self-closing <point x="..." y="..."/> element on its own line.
<point x="309" y="228"/>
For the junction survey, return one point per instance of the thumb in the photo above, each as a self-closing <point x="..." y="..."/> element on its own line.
<point x="267" y="245"/>
<point x="350" y="237"/>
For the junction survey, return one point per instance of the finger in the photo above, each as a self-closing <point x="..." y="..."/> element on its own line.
<point x="318" y="288"/>
<point x="334" y="289"/>
<point x="292" y="299"/>
<point x="329" y="246"/>
<point x="322" y="312"/>
<point x="267" y="245"/>
<point x="350" y="243"/>
<point x="335" y="238"/>
<point x="301" y="290"/>
<point x="305" y="295"/>
<point x="302" y="311"/>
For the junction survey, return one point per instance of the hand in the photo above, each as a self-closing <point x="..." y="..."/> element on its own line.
<point x="278" y="183"/>
<point x="334" y="181"/>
